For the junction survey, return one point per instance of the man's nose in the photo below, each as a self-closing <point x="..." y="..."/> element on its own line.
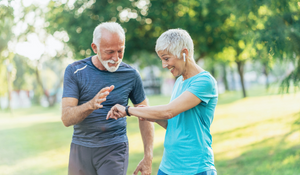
<point x="115" y="57"/>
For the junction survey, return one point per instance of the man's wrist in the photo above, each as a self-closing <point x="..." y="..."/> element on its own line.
<point x="90" y="106"/>
<point x="148" y="156"/>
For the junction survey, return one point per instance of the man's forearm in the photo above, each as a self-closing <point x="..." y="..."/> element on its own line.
<point x="162" y="123"/>
<point x="72" y="115"/>
<point x="147" y="132"/>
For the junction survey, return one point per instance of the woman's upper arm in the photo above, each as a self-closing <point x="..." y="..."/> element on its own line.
<point x="184" y="102"/>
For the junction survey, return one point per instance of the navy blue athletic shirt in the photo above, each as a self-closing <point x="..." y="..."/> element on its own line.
<point x="82" y="80"/>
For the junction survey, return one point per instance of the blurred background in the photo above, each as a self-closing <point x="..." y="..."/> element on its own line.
<point x="251" y="47"/>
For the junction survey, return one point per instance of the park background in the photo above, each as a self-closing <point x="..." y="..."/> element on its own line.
<point x="251" y="47"/>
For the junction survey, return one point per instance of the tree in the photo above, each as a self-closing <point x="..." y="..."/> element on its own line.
<point x="78" y="21"/>
<point x="281" y="36"/>
<point x="47" y="63"/>
<point x="6" y="24"/>
<point x="143" y="23"/>
<point x="24" y="78"/>
<point x="214" y="25"/>
<point x="204" y="20"/>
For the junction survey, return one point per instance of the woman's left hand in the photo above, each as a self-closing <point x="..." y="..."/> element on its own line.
<point x="116" y="112"/>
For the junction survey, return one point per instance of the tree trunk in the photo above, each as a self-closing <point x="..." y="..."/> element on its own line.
<point x="232" y="78"/>
<point x="40" y="83"/>
<point x="224" y="77"/>
<point x="266" y="73"/>
<point x="9" y="89"/>
<point x="240" y="65"/>
<point x="200" y="57"/>
<point x="50" y="98"/>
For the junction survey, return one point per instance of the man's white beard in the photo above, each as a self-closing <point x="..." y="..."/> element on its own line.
<point x="112" y="68"/>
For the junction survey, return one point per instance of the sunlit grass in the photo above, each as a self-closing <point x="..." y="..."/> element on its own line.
<point x="33" y="141"/>
<point x="256" y="135"/>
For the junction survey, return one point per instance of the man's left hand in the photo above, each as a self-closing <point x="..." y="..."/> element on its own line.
<point x="145" y="167"/>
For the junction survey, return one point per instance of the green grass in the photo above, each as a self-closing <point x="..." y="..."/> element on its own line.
<point x="33" y="141"/>
<point x="258" y="135"/>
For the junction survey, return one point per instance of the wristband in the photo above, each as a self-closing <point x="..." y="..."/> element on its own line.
<point x="126" y="110"/>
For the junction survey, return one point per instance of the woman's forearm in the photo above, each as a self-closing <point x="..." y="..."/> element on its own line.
<point x="162" y="112"/>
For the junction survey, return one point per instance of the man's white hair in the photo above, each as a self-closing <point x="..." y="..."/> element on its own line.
<point x="174" y="40"/>
<point x="111" y="27"/>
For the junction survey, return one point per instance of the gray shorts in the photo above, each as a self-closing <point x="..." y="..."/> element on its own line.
<point x="109" y="160"/>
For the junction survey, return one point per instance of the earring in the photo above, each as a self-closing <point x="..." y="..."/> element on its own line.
<point x="183" y="57"/>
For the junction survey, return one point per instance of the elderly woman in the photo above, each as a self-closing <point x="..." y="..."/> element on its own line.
<point x="187" y="118"/>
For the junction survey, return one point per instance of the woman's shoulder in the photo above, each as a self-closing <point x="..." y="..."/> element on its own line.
<point x="204" y="76"/>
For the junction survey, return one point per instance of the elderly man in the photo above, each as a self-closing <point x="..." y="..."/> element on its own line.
<point x="91" y="87"/>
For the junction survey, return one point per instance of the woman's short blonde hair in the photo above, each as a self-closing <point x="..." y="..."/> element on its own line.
<point x="174" y="40"/>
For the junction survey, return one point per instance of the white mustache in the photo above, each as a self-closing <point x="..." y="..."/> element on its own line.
<point x="114" y="62"/>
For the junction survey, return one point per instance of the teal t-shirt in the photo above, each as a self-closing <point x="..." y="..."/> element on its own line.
<point x="188" y="140"/>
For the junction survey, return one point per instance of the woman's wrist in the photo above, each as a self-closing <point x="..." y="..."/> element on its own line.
<point x="127" y="111"/>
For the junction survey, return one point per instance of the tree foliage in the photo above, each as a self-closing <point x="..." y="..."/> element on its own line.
<point x="281" y="35"/>
<point x="6" y="24"/>
<point x="224" y="32"/>
<point x="24" y="78"/>
<point x="143" y="23"/>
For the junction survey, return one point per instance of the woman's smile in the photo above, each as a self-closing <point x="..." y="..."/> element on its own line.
<point x="171" y="69"/>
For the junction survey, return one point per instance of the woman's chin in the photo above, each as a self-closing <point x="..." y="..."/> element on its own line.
<point x="175" y="74"/>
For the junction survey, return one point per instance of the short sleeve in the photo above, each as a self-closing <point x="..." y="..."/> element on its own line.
<point x="137" y="95"/>
<point x="70" y="84"/>
<point x="204" y="87"/>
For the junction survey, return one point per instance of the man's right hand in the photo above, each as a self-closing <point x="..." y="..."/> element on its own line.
<point x="72" y="113"/>
<point x="95" y="103"/>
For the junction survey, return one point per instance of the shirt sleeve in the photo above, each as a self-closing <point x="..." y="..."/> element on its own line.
<point x="204" y="87"/>
<point x="137" y="95"/>
<point x="70" y="88"/>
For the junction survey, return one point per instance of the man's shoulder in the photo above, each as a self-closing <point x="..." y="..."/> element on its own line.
<point x="82" y="62"/>
<point x="126" y="67"/>
<point x="78" y="65"/>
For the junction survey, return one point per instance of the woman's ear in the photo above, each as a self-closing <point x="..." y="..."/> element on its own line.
<point x="185" y="54"/>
